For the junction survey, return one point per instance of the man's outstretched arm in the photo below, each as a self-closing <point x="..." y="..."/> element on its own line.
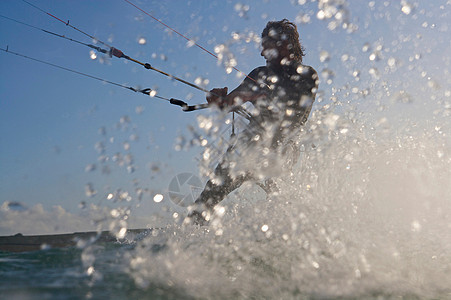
<point x="237" y="97"/>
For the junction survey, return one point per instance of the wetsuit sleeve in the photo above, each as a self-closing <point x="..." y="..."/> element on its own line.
<point x="308" y="93"/>
<point x="252" y="87"/>
<point x="256" y="80"/>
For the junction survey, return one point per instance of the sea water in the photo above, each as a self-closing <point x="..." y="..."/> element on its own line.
<point x="359" y="219"/>
<point x="365" y="214"/>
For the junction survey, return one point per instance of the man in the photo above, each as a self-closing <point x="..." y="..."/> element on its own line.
<point x="282" y="93"/>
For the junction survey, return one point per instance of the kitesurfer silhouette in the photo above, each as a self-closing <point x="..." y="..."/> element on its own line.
<point x="282" y="94"/>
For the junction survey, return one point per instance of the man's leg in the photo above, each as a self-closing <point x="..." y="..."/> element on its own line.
<point x="215" y="191"/>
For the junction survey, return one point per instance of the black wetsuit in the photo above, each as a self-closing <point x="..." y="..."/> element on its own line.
<point x="289" y="92"/>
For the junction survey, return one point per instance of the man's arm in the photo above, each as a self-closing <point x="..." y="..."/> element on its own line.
<point x="243" y="93"/>
<point x="248" y="91"/>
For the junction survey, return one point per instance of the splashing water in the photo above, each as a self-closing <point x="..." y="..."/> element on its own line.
<point x="364" y="214"/>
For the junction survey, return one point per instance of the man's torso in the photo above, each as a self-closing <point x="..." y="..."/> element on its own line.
<point x="289" y="92"/>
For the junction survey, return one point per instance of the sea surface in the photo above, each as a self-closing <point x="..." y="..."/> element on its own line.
<point x="365" y="214"/>
<point x="59" y="274"/>
<point x="62" y="274"/>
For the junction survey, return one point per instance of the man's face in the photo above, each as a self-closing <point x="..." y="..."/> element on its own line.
<point x="274" y="51"/>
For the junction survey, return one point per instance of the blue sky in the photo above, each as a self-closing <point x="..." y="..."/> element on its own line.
<point x="50" y="119"/>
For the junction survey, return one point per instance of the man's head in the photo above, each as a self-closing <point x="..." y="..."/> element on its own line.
<point x="280" y="40"/>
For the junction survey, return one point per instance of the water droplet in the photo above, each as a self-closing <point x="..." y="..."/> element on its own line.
<point x="90" y="168"/>
<point x="100" y="147"/>
<point x="406" y="8"/>
<point x="122" y="232"/>
<point x="328" y="75"/>
<point x="90" y="271"/>
<point x="125" y="196"/>
<point x="206" y="155"/>
<point x="203" y="82"/>
<point x="124" y="120"/>
<point x="375" y="56"/>
<point x="242" y="9"/>
<point x="415" y="226"/>
<point x="92" y="54"/>
<point x="303" y="18"/>
<point x="158" y="198"/>
<point x="102" y="131"/>
<point x="134" y="137"/>
<point x="374" y="72"/>
<point x="130" y="169"/>
<point x="324" y="56"/>
<point x="220" y="210"/>
<point x="225" y="57"/>
<point x="433" y="84"/>
<point x="391" y="62"/>
<point x="139" y="110"/>
<point x="219" y="48"/>
<point x="190" y="43"/>
<point x="333" y="25"/>
<point x="115" y="213"/>
<point x="142" y="41"/>
<point x="89" y="190"/>
<point x="331" y="121"/>
<point x="403" y="97"/>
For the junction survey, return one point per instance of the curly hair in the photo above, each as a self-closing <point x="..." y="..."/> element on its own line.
<point x="285" y="30"/>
